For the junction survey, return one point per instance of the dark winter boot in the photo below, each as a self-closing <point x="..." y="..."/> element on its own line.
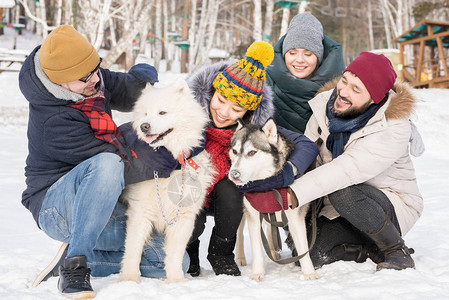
<point x="348" y="252"/>
<point x="74" y="278"/>
<point x="193" y="251"/>
<point x="390" y="243"/>
<point x="221" y="256"/>
<point x="52" y="270"/>
<point x="357" y="253"/>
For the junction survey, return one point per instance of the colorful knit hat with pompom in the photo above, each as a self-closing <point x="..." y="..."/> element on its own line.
<point x="243" y="81"/>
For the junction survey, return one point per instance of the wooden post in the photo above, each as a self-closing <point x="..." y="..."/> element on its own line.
<point x="1" y="20"/>
<point x="185" y="36"/>
<point x="401" y="61"/>
<point x="420" y="61"/>
<point x="442" y="58"/>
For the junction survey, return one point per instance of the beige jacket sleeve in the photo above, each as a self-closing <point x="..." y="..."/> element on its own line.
<point x="366" y="156"/>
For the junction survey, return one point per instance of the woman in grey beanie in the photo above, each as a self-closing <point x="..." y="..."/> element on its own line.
<point x="304" y="60"/>
<point x="303" y="45"/>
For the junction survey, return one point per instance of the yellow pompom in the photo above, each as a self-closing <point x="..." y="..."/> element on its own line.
<point x="262" y="52"/>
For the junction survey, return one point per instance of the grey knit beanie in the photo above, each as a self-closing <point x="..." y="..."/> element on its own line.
<point x="305" y="32"/>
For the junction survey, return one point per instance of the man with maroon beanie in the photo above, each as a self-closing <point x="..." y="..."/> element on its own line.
<point x="364" y="172"/>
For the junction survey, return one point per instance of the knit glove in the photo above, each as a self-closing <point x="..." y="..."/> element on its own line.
<point x="143" y="166"/>
<point x="417" y="146"/>
<point x="144" y="73"/>
<point x="143" y="159"/>
<point x="284" y="179"/>
<point x="136" y="171"/>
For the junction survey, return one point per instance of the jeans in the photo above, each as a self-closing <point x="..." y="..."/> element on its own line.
<point x="81" y="209"/>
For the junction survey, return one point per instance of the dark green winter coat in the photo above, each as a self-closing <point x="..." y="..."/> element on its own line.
<point x="291" y="94"/>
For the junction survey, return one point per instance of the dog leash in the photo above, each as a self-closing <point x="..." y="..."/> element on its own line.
<point x="271" y="218"/>
<point x="181" y="197"/>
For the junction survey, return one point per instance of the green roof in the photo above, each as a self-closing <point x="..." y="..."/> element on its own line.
<point x="421" y="31"/>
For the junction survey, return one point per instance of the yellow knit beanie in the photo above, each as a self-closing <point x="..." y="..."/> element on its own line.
<point x="66" y="56"/>
<point x="243" y="81"/>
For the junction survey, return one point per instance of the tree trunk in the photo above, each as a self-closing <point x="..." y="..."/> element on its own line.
<point x="285" y="20"/>
<point x="213" y="15"/>
<point x="268" y="20"/>
<point x="201" y="33"/>
<point x="158" y="32"/>
<point x="303" y="6"/>
<point x="193" y="41"/>
<point x="185" y="36"/>
<point x="369" y="13"/>
<point x="165" y="36"/>
<point x="386" y="25"/>
<point x="257" y="32"/>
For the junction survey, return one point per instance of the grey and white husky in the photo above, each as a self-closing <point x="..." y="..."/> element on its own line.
<point x="172" y="118"/>
<point x="259" y="152"/>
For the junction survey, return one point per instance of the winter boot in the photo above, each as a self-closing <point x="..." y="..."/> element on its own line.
<point x="349" y="252"/>
<point x="52" y="270"/>
<point x="193" y="251"/>
<point x="221" y="256"/>
<point x="74" y="278"/>
<point x="390" y="243"/>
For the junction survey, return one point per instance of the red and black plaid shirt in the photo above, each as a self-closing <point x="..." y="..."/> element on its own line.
<point x="103" y="126"/>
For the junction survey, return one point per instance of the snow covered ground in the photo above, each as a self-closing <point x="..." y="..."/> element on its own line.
<point x="25" y="250"/>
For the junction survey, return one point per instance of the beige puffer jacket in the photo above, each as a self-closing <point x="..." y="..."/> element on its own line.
<point x="377" y="154"/>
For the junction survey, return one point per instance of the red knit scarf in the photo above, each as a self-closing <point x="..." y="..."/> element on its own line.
<point x="102" y="125"/>
<point x="217" y="145"/>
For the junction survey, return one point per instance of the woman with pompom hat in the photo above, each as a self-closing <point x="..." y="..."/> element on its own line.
<point x="232" y="91"/>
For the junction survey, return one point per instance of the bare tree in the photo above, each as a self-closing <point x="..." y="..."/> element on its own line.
<point x="257" y="35"/>
<point x="40" y="17"/>
<point x="269" y="8"/>
<point x="213" y="14"/>
<point x="96" y="12"/>
<point x="285" y="20"/>
<point x="369" y="13"/>
<point x="129" y="14"/>
<point x="200" y="36"/>
<point x="158" y="27"/>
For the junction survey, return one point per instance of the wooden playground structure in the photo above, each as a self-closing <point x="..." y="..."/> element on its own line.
<point x="430" y="42"/>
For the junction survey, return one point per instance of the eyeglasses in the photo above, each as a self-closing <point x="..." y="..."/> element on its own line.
<point x="89" y="76"/>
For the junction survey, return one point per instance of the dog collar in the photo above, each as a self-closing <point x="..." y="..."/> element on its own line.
<point x="190" y="161"/>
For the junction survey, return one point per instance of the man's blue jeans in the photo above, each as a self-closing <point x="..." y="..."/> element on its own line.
<point x="81" y="209"/>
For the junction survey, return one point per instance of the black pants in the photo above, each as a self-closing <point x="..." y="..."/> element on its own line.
<point x="362" y="208"/>
<point x="227" y="208"/>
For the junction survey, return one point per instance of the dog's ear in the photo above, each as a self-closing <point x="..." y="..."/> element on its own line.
<point x="270" y="131"/>
<point x="240" y="124"/>
<point x="148" y="87"/>
<point x="181" y="85"/>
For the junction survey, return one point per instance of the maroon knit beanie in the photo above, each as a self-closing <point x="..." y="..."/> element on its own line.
<point x="376" y="72"/>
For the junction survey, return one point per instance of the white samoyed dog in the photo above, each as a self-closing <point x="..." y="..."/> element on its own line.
<point x="172" y="118"/>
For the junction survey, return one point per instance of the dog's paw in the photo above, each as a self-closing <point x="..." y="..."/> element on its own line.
<point x="172" y="280"/>
<point x="129" y="277"/>
<point x="240" y="261"/>
<point x="311" y="276"/>
<point x="257" y="277"/>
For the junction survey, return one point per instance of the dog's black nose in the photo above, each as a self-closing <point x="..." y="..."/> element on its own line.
<point x="235" y="174"/>
<point x="145" y="127"/>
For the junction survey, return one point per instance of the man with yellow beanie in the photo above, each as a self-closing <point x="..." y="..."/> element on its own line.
<point x="78" y="162"/>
